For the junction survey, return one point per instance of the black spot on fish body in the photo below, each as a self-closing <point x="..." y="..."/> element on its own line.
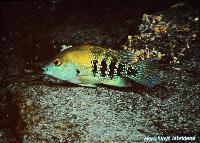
<point x="145" y="53"/>
<point x="94" y="66"/>
<point x="131" y="71"/>
<point x="120" y="69"/>
<point x="134" y="72"/>
<point x="77" y="71"/>
<point x="112" y="68"/>
<point x="103" y="68"/>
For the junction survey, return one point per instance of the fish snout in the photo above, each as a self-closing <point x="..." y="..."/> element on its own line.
<point x="44" y="70"/>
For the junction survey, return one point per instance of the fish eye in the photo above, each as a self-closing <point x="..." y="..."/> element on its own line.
<point x="57" y="62"/>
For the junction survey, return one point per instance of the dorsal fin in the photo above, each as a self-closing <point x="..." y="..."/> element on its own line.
<point x="64" y="47"/>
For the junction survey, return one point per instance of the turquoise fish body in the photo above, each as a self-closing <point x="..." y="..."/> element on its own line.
<point x="89" y="65"/>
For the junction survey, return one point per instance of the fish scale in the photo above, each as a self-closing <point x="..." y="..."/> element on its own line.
<point x="89" y="65"/>
<point x="114" y="68"/>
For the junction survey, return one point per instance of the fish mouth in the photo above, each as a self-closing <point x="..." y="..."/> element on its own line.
<point x="45" y="70"/>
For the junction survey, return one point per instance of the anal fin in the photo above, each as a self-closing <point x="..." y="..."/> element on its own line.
<point x="87" y="85"/>
<point x="119" y="82"/>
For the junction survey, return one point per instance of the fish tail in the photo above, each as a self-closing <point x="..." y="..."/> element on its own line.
<point x="147" y="72"/>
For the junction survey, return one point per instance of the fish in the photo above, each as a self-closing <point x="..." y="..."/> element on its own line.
<point x="91" y="65"/>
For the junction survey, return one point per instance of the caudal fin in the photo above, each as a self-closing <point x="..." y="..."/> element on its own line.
<point x="147" y="72"/>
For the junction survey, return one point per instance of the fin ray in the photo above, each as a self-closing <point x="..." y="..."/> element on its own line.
<point x="87" y="85"/>
<point x="147" y="73"/>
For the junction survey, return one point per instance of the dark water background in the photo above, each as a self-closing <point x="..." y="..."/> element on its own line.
<point x="31" y="33"/>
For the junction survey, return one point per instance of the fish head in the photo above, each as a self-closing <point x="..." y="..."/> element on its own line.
<point x="61" y="69"/>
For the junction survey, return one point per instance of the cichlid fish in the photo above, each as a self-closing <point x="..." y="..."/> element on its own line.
<point x="88" y="65"/>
